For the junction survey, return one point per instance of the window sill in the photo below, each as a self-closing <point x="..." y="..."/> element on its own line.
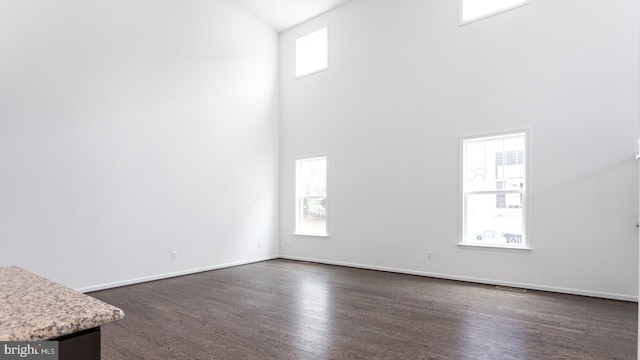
<point x="311" y="235"/>
<point x="495" y="247"/>
<point x="302" y="76"/>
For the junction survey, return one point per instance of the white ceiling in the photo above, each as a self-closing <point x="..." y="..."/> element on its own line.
<point x="283" y="14"/>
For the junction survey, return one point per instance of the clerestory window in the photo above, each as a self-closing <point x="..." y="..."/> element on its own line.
<point x="472" y="10"/>
<point x="312" y="53"/>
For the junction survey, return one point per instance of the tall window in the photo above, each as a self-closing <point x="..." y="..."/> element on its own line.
<point x="494" y="190"/>
<point x="312" y="53"/>
<point x="311" y="196"/>
<point x="471" y="10"/>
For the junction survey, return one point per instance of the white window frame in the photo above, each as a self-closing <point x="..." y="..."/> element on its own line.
<point x="319" y="69"/>
<point x="524" y="192"/>
<point x="299" y="198"/>
<point x="489" y="14"/>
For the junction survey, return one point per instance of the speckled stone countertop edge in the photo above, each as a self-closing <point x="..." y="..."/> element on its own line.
<point x="33" y="308"/>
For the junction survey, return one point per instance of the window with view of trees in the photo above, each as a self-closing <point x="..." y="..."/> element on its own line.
<point x="494" y="183"/>
<point x="311" y="196"/>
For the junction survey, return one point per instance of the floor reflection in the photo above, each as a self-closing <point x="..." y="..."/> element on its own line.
<point x="314" y="310"/>
<point x="492" y="336"/>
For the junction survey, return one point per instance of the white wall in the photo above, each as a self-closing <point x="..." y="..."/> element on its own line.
<point x="406" y="82"/>
<point x="131" y="129"/>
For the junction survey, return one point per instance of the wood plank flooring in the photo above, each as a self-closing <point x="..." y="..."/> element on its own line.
<point x="284" y="309"/>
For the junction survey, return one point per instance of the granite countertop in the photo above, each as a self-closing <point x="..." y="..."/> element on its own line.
<point x="33" y="308"/>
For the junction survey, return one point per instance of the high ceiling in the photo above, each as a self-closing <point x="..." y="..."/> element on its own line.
<point x="283" y="14"/>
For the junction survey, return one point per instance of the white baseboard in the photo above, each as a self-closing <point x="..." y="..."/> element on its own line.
<point x="472" y="279"/>
<point x="170" y="275"/>
<point x="368" y="267"/>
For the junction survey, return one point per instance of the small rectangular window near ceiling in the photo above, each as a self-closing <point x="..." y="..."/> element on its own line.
<point x="312" y="53"/>
<point x="494" y="190"/>
<point x="471" y="10"/>
<point x="311" y="196"/>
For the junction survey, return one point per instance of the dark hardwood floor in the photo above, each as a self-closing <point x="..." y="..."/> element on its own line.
<point x="295" y="310"/>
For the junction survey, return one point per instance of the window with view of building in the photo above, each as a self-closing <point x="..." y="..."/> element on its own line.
<point x="311" y="196"/>
<point x="494" y="183"/>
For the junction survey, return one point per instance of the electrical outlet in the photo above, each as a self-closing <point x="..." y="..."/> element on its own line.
<point x="429" y="255"/>
<point x="174" y="255"/>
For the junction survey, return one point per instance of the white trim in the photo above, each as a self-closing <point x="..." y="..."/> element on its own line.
<point x="491" y="192"/>
<point x="311" y="235"/>
<point x="311" y="73"/>
<point x="171" y="275"/>
<point x="569" y="291"/>
<point x="495" y="247"/>
<point x="554" y="289"/>
<point x="496" y="134"/>
<point x="461" y="22"/>
<point x="296" y="76"/>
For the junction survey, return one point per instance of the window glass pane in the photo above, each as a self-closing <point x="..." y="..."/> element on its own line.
<point x="472" y="9"/>
<point x="311" y="195"/>
<point x="313" y="177"/>
<point x="475" y="171"/>
<point x="312" y="52"/>
<point x="494" y="219"/>
<point x="313" y="219"/>
<point x="494" y="164"/>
